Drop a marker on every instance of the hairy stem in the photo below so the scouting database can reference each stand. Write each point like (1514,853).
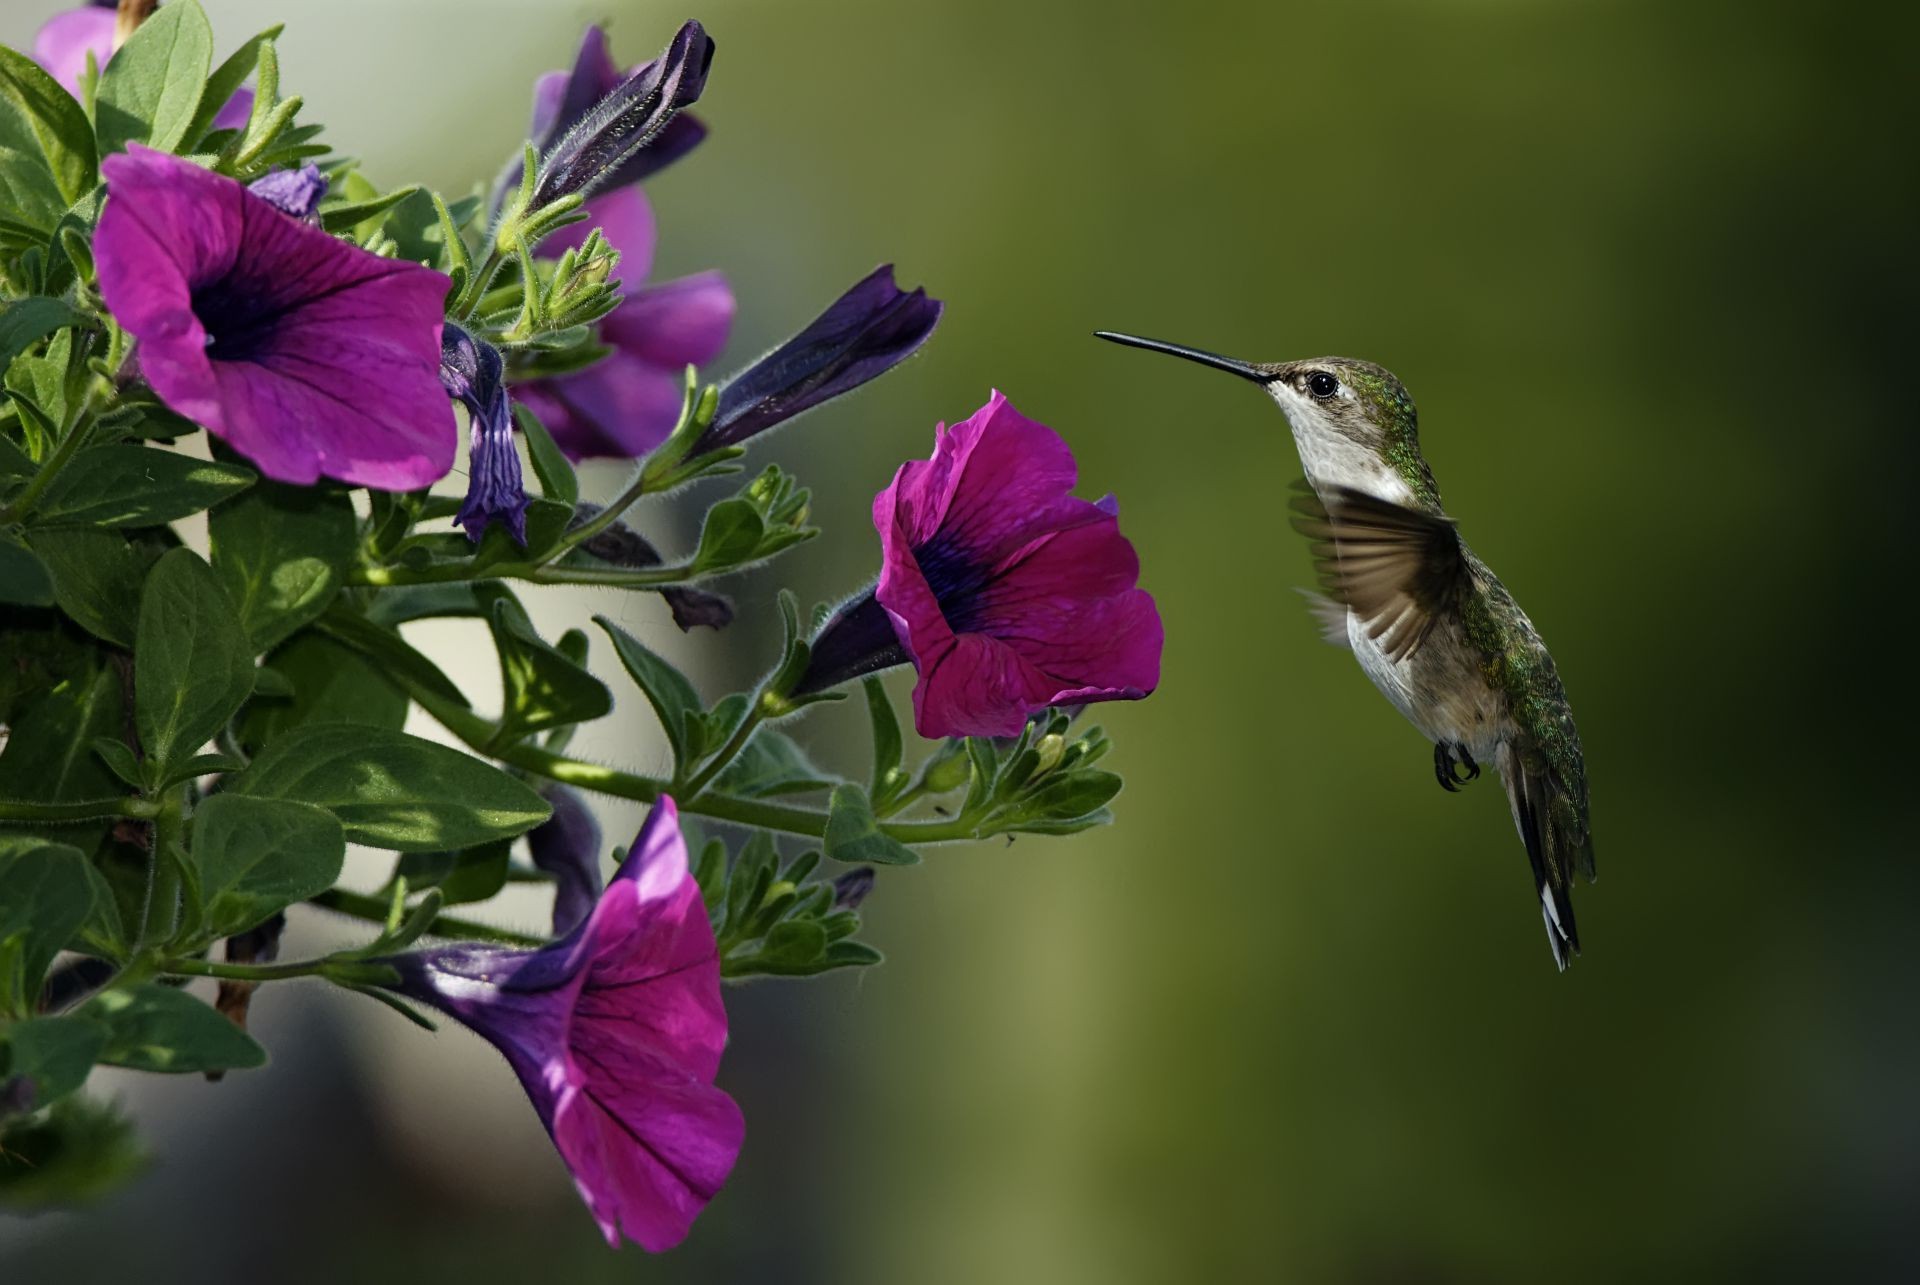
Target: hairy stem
(32,812)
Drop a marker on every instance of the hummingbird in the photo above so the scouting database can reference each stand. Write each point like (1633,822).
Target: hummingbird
(1428,621)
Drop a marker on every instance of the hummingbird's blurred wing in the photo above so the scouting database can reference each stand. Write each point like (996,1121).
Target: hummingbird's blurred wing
(1396,567)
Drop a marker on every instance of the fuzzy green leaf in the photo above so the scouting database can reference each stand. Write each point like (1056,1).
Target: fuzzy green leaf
(150,89)
(282,552)
(258,856)
(151,1027)
(193,665)
(45,896)
(135,486)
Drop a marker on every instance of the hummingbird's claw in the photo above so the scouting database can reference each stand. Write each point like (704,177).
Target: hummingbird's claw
(1453,766)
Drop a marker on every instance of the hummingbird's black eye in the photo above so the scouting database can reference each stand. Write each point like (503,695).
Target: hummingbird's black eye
(1322,385)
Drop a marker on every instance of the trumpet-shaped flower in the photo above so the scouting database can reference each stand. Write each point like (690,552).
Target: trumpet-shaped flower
(1006,593)
(309,355)
(615,1031)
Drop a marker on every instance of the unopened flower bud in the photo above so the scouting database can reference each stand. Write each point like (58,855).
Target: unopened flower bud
(1050,748)
(851,888)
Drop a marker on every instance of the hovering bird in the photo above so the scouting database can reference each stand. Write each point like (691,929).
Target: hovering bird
(1430,624)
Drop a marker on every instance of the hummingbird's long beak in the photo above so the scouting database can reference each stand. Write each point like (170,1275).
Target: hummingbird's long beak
(1244,369)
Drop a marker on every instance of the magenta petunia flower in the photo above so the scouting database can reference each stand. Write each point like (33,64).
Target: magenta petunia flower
(309,355)
(615,1032)
(65,40)
(1006,593)
(626,403)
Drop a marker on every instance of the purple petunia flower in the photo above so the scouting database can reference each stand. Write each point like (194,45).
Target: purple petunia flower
(1006,593)
(65,40)
(626,403)
(473,374)
(615,1032)
(309,355)
(866,332)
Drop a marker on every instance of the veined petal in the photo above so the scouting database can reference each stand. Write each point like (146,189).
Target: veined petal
(675,324)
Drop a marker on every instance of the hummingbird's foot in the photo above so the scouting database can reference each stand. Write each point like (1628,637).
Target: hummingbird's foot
(1448,762)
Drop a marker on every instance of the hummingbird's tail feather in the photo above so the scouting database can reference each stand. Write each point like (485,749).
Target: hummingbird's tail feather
(1539,811)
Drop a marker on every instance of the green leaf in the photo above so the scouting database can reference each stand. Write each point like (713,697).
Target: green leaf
(119,760)
(24,581)
(471,874)
(45,896)
(541,686)
(25,322)
(332,683)
(557,480)
(389,649)
(770,764)
(666,688)
(49,749)
(391,790)
(151,88)
(77,1152)
(50,117)
(339,217)
(730,536)
(853,836)
(887,747)
(151,1027)
(193,665)
(226,78)
(55,1053)
(117,486)
(282,552)
(258,856)
(97,575)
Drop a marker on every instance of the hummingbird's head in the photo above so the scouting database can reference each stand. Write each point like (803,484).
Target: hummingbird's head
(1348,416)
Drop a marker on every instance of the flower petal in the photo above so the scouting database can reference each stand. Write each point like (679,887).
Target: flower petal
(621,406)
(676,324)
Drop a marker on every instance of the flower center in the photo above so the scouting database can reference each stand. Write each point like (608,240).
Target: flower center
(238,317)
(956,579)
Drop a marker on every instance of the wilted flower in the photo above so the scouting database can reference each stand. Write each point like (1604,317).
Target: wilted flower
(473,374)
(1007,594)
(567,846)
(310,356)
(615,1032)
(604,139)
(866,332)
(623,546)
(626,403)
(65,40)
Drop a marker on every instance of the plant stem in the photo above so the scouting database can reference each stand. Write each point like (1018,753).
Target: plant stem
(756,714)
(477,733)
(62,455)
(163,874)
(358,905)
(531,572)
(86,810)
(244,972)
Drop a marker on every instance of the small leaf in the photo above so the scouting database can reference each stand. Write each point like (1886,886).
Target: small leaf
(45,896)
(730,536)
(119,759)
(25,322)
(226,78)
(24,581)
(151,1027)
(98,575)
(557,480)
(258,856)
(887,746)
(282,552)
(151,87)
(666,688)
(853,836)
(391,790)
(338,218)
(55,1053)
(472,874)
(542,686)
(120,486)
(388,649)
(770,764)
(193,665)
(53,120)
(331,683)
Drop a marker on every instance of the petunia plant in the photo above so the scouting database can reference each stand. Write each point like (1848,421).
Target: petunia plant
(236,378)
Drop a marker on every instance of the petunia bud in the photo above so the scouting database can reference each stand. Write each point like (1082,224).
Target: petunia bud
(866,332)
(627,120)
(621,545)
(851,888)
(293,192)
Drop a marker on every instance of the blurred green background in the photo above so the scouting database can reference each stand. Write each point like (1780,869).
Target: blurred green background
(1649,270)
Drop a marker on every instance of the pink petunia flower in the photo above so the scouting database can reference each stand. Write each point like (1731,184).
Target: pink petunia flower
(1007,594)
(615,1031)
(309,355)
